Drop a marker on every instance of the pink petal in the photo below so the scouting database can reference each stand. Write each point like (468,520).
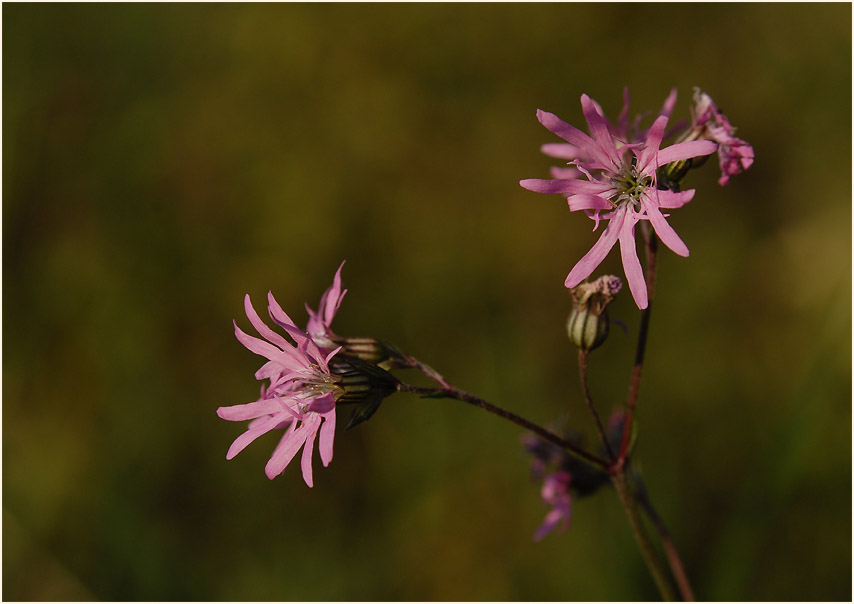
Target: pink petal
(242,441)
(552,520)
(333,295)
(330,355)
(564,173)
(327,435)
(265,349)
(560,150)
(599,128)
(653,142)
(260,420)
(313,351)
(685,150)
(586,145)
(285,451)
(308,450)
(585,201)
(631,263)
(322,404)
(664,231)
(566,131)
(597,253)
(239,413)
(564,187)
(669,103)
(539,185)
(290,407)
(276,312)
(672,199)
(261,327)
(268,371)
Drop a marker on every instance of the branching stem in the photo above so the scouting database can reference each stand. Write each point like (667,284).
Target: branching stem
(460,395)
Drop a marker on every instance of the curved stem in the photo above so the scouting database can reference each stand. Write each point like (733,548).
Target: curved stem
(582,369)
(460,395)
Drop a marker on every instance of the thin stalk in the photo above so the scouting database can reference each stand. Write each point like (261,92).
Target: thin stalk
(653,562)
(673,558)
(637,369)
(460,395)
(582,370)
(619,468)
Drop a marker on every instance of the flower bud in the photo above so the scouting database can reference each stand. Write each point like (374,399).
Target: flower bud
(588,323)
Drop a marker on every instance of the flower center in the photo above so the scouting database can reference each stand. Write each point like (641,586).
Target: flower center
(630,185)
(316,382)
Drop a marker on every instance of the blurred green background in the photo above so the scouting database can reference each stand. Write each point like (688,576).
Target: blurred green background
(160,161)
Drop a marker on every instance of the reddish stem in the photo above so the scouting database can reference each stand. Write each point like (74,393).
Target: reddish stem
(460,395)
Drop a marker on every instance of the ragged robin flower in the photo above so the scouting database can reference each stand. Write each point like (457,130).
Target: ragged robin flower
(299,398)
(620,187)
(734,154)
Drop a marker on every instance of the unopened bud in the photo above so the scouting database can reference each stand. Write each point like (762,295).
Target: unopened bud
(588,323)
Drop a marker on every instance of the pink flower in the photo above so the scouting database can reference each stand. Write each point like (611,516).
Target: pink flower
(621,182)
(734,154)
(555,492)
(622,130)
(299,399)
(319,322)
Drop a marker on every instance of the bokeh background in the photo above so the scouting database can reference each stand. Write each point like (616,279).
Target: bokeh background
(160,161)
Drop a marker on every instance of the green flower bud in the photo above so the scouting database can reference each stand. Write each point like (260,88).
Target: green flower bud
(588,323)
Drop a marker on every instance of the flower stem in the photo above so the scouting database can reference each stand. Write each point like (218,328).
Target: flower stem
(460,395)
(582,369)
(637,369)
(676,566)
(653,562)
(619,468)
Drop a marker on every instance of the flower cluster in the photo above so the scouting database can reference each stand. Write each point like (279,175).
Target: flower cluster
(302,390)
(614,176)
(555,492)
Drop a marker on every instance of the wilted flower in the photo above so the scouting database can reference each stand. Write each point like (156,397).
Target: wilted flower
(621,182)
(560,472)
(300,397)
(555,492)
(734,154)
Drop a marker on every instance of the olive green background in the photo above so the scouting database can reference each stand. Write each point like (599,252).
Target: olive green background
(160,161)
